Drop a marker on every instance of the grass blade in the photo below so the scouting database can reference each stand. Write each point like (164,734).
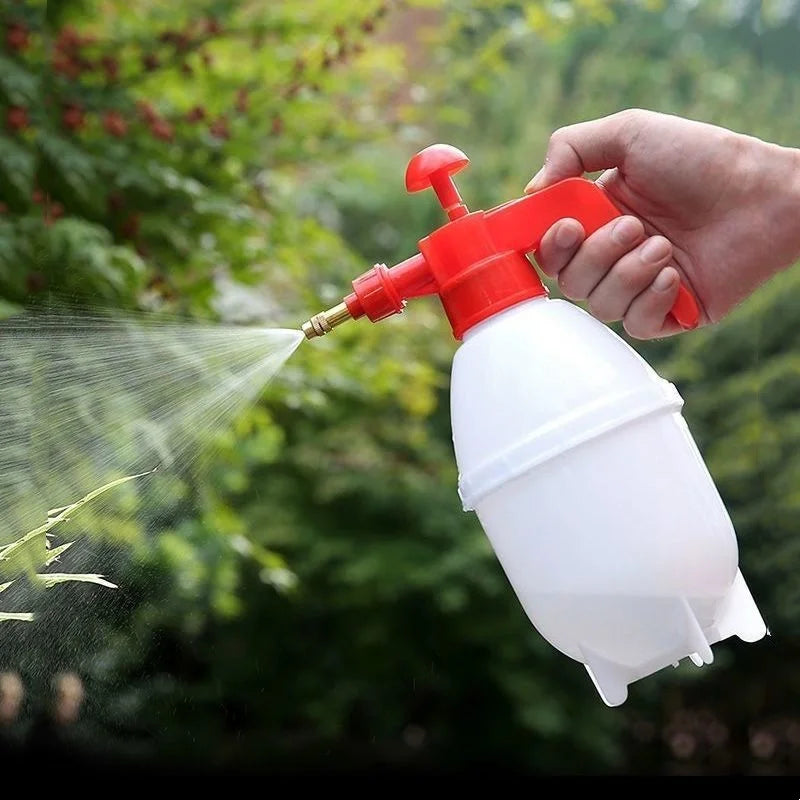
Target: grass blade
(52,578)
(9,616)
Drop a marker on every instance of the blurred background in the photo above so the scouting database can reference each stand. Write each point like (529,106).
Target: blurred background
(319,600)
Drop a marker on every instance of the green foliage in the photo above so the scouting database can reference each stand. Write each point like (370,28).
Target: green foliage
(31,552)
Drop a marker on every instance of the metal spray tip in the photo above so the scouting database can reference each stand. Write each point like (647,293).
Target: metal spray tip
(326,321)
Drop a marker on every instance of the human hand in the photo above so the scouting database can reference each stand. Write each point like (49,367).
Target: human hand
(716,209)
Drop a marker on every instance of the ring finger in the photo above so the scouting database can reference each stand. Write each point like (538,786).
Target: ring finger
(597,255)
(630,276)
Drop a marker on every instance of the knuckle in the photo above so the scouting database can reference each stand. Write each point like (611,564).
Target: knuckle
(560,139)
(630,124)
(630,117)
(559,134)
(602,310)
(630,279)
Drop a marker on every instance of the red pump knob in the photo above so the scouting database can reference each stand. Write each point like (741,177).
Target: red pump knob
(433,167)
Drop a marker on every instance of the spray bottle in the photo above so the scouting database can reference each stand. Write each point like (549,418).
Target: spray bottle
(571,449)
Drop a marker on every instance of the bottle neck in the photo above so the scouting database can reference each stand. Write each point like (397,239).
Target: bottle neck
(475,329)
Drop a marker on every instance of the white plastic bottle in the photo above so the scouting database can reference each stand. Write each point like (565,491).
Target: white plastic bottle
(575,456)
(570,448)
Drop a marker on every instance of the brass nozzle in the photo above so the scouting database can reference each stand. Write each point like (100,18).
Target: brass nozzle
(326,321)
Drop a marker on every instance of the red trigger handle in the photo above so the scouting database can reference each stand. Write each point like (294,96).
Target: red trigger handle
(587,202)
(684,310)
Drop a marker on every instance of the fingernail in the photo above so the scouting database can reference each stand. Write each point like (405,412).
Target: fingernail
(655,249)
(567,236)
(626,231)
(664,280)
(536,181)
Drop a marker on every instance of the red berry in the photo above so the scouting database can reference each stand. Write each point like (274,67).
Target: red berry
(67,65)
(368,25)
(67,39)
(3,208)
(339,32)
(73,117)
(53,212)
(150,62)
(110,67)
(115,201)
(196,114)
(17,118)
(161,129)
(219,128)
(38,196)
(17,37)
(115,124)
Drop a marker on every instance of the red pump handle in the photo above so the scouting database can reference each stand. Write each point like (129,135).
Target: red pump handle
(520,224)
(434,166)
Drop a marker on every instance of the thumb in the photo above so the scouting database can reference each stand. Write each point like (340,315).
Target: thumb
(586,147)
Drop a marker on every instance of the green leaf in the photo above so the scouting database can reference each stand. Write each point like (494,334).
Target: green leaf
(18,85)
(56,552)
(29,553)
(25,555)
(56,515)
(72,169)
(8,616)
(53,578)
(17,169)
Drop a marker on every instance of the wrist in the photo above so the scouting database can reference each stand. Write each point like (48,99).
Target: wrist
(792,156)
(776,201)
